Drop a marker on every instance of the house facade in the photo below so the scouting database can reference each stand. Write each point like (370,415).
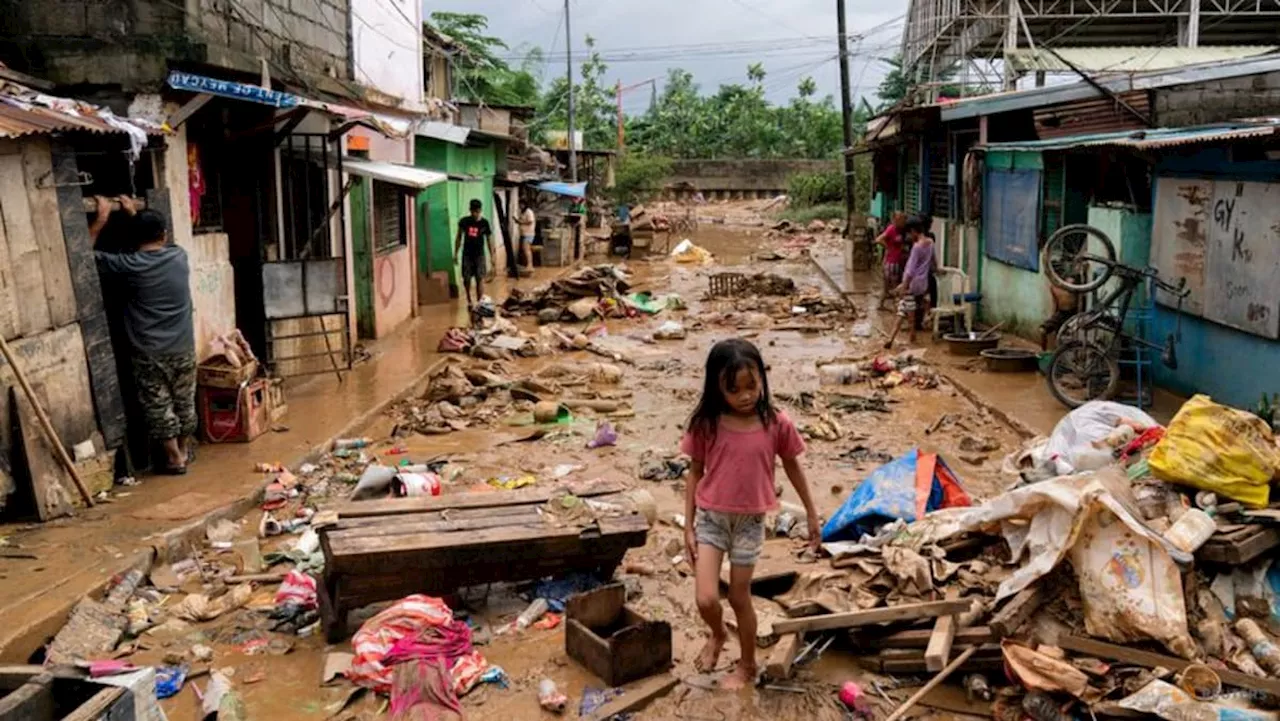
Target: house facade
(1153,160)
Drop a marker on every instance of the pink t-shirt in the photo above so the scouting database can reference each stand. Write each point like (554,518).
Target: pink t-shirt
(738,465)
(894,252)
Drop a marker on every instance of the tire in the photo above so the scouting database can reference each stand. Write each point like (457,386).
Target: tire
(1076,362)
(1058,244)
(1085,327)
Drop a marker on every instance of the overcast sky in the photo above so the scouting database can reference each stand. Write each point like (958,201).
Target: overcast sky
(713,39)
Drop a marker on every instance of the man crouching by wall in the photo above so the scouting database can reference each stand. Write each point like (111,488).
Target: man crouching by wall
(155,276)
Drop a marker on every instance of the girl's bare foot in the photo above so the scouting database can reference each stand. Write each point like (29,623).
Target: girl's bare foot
(742,677)
(709,656)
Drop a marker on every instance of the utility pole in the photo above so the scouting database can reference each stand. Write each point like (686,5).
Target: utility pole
(617,94)
(847,112)
(568,60)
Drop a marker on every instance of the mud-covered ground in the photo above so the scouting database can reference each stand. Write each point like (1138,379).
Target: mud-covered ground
(661,386)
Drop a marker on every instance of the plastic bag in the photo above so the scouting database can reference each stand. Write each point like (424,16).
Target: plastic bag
(686,252)
(1220,449)
(1131,588)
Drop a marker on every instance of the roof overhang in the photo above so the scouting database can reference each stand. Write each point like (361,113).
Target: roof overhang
(406,176)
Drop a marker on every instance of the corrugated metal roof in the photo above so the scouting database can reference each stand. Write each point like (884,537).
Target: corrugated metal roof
(1152,139)
(34,114)
(1128,59)
(395,173)
(1052,95)
(1095,115)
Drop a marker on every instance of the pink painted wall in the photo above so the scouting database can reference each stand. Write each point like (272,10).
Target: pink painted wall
(393,292)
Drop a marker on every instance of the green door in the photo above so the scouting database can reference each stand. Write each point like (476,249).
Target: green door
(362,256)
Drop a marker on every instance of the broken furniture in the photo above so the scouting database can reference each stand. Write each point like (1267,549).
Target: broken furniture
(611,640)
(1237,544)
(385,549)
(32,693)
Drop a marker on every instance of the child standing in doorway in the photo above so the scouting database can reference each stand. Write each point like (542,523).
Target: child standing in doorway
(913,292)
(735,436)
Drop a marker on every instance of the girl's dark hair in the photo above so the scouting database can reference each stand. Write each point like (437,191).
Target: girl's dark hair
(725,360)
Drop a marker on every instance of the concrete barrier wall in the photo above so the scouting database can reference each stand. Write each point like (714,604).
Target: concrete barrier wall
(745,178)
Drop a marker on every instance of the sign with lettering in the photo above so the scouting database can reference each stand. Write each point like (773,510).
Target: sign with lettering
(1224,236)
(231,89)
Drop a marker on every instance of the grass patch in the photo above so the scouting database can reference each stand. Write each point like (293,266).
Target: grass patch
(822,211)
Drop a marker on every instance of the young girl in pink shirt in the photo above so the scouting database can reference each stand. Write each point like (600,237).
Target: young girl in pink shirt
(734,437)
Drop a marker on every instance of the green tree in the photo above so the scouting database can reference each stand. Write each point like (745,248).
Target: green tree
(595,114)
(480,74)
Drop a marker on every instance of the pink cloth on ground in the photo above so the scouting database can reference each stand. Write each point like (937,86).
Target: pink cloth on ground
(738,466)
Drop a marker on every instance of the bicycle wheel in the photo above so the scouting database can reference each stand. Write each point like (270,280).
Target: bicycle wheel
(1082,372)
(1078,258)
(1092,326)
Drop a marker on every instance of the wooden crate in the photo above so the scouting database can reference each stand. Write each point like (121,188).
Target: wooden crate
(31,693)
(387,549)
(1239,545)
(557,247)
(611,640)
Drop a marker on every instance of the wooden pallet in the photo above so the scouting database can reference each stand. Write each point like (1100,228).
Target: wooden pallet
(1239,545)
(461,540)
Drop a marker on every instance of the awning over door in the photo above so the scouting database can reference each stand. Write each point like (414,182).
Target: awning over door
(403,175)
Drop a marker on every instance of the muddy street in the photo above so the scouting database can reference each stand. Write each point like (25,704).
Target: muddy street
(850,430)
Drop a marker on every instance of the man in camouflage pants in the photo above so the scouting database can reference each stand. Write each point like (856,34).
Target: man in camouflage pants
(155,277)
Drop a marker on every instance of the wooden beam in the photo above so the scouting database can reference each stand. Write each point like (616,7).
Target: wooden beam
(939,648)
(783,655)
(919,638)
(1013,614)
(484,499)
(636,697)
(1148,659)
(905,612)
(191,107)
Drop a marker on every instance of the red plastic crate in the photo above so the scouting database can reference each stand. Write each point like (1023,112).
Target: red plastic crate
(233,415)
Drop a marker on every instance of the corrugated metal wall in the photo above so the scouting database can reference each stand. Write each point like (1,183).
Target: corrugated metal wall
(1096,115)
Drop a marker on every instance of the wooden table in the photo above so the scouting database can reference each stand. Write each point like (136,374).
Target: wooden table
(388,549)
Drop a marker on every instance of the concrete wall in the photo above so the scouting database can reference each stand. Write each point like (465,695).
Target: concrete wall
(386,38)
(1218,100)
(1016,297)
(128,44)
(738,178)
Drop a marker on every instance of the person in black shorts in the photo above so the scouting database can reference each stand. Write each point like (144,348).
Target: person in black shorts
(474,235)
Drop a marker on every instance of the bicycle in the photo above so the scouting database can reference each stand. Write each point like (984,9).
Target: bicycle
(1084,367)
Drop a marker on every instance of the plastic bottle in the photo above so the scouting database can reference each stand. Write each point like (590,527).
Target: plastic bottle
(530,615)
(1191,530)
(1264,649)
(550,698)
(341,444)
(976,686)
(123,591)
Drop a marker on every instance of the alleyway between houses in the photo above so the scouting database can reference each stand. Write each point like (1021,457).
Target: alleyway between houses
(78,556)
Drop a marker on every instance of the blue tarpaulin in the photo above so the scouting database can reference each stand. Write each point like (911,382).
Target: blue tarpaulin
(573,190)
(906,488)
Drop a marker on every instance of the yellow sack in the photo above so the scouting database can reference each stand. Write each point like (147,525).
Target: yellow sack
(1220,449)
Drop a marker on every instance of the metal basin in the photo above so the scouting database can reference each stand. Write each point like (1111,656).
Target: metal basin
(1011,360)
(962,344)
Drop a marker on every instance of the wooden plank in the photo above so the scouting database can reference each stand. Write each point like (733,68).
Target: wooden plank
(938,650)
(407,525)
(51,486)
(10,324)
(919,638)
(483,499)
(904,612)
(191,107)
(1240,548)
(783,655)
(635,697)
(104,381)
(32,701)
(362,545)
(96,707)
(12,676)
(24,252)
(1148,659)
(1013,614)
(933,682)
(37,167)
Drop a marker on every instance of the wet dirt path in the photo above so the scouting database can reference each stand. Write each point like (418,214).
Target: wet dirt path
(664,383)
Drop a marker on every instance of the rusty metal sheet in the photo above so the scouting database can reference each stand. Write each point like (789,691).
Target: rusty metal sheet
(1096,115)
(1222,236)
(1179,234)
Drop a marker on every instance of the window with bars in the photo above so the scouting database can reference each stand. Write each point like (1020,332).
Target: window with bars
(388,217)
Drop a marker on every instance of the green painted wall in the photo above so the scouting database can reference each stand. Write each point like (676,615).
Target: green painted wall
(362,252)
(1013,296)
(447,202)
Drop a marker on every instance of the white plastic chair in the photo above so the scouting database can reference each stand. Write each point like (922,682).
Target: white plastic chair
(952,282)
